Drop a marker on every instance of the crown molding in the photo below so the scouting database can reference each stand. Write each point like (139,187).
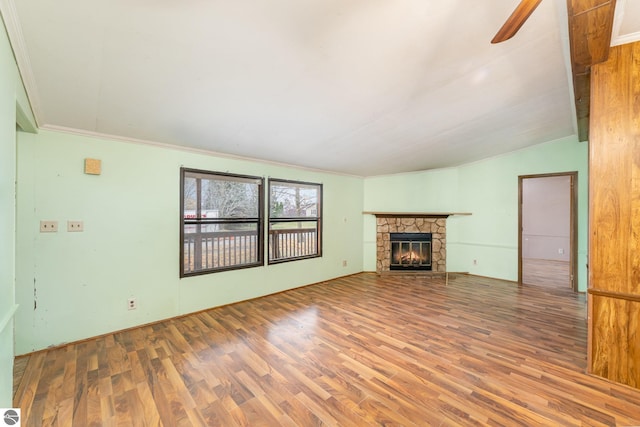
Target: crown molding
(618,17)
(19,47)
(627,38)
(205,152)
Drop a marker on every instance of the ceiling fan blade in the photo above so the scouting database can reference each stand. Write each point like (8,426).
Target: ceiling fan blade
(515,21)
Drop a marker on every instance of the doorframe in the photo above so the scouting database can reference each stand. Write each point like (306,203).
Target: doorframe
(573,224)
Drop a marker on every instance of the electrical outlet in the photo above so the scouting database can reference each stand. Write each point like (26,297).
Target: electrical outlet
(344,263)
(475,262)
(48,226)
(73,226)
(132,304)
(561,251)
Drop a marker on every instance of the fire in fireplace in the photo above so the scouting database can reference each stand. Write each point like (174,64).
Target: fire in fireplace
(410,251)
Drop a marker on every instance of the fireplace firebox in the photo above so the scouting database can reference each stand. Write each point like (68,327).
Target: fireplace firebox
(410,251)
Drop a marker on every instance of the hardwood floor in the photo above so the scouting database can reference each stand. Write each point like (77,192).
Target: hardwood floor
(360,350)
(545,272)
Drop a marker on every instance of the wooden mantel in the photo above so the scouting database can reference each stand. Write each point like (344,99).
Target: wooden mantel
(414,214)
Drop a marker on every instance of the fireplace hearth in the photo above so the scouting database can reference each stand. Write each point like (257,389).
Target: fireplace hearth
(410,251)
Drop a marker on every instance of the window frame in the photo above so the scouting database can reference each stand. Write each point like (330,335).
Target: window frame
(317,219)
(199,221)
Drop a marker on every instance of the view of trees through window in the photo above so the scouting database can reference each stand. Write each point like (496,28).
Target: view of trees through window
(224,198)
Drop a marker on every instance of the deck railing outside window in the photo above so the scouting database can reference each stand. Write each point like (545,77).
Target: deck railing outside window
(292,243)
(221,249)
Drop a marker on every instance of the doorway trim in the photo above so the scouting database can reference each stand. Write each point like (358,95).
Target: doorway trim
(573,224)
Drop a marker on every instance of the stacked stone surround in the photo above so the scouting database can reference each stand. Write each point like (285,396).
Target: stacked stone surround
(436,226)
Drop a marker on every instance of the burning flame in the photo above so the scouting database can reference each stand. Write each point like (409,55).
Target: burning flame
(409,257)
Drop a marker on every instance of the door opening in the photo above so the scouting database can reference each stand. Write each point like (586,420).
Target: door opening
(547,237)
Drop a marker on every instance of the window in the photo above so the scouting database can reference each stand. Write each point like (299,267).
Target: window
(221,222)
(295,220)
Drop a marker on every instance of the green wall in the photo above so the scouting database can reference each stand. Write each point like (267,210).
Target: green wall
(7,217)
(75,285)
(489,190)
(14,107)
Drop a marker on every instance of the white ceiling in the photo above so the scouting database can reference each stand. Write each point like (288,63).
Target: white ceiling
(363,87)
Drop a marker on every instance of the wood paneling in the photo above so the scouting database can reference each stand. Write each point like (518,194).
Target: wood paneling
(356,351)
(614,246)
(590,24)
(615,345)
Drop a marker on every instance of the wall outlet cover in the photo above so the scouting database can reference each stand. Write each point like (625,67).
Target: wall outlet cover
(48,226)
(75,226)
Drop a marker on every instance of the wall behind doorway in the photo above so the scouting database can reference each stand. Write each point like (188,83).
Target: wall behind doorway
(546,214)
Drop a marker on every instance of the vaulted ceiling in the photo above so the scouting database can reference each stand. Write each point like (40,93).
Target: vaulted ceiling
(363,87)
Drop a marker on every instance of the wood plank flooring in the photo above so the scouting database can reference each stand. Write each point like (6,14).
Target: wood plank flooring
(363,350)
(544,272)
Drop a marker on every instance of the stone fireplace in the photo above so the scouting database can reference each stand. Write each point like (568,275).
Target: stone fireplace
(436,226)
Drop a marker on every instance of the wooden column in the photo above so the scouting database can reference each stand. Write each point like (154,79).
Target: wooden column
(614,217)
